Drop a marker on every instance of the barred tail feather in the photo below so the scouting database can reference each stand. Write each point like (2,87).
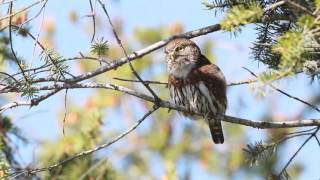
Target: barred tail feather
(216,131)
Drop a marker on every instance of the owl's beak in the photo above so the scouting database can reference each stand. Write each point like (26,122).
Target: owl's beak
(172,56)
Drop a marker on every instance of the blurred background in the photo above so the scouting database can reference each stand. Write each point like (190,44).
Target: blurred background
(166,145)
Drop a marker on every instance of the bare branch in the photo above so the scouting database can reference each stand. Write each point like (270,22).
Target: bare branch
(136,74)
(137,81)
(24,9)
(317,139)
(11,44)
(65,111)
(242,82)
(38,13)
(140,53)
(299,7)
(90,151)
(113,64)
(166,104)
(93,14)
(13,105)
(32,102)
(165,83)
(296,153)
(286,94)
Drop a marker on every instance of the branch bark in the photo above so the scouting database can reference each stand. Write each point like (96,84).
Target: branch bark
(166,104)
(140,53)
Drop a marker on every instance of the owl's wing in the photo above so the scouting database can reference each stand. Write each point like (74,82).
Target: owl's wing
(215,85)
(215,81)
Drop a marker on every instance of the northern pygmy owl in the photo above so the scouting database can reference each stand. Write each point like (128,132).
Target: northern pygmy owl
(197,84)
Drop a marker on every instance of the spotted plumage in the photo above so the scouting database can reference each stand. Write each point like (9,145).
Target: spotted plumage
(196,84)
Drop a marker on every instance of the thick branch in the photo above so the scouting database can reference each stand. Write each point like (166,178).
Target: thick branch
(138,54)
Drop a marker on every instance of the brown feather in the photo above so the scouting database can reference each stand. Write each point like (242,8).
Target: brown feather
(203,89)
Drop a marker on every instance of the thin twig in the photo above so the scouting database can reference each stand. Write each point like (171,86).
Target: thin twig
(35,16)
(6,2)
(286,94)
(65,111)
(24,9)
(90,151)
(126,54)
(137,81)
(299,7)
(11,44)
(304,131)
(295,154)
(9,76)
(87,172)
(40,28)
(165,83)
(93,14)
(242,82)
(317,139)
(53,62)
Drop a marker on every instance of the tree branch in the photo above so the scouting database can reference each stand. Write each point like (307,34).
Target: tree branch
(163,104)
(140,53)
(136,74)
(285,93)
(90,151)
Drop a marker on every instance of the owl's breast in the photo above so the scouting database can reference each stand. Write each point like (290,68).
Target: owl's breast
(190,97)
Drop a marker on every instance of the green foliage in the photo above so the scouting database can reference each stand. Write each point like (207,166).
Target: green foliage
(100,48)
(317,3)
(8,158)
(83,131)
(148,35)
(4,166)
(206,50)
(5,53)
(27,89)
(166,138)
(241,15)
(57,67)
(224,5)
(291,47)
(258,152)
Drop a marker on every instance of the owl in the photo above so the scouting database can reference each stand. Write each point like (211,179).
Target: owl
(196,84)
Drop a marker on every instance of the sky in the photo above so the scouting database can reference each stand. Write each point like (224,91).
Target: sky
(232,54)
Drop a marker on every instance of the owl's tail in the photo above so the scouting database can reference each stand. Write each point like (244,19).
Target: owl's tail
(216,130)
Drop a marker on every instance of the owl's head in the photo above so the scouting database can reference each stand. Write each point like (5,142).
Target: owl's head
(182,55)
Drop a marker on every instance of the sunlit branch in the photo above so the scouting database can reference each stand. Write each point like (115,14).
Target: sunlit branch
(165,104)
(90,151)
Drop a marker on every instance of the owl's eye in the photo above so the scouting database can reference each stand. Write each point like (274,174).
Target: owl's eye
(180,48)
